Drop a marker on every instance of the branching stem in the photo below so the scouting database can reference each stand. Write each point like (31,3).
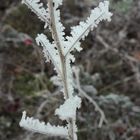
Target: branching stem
(63,63)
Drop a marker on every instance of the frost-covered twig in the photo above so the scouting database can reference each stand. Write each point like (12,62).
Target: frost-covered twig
(59,53)
(37,7)
(82,30)
(50,51)
(40,127)
(83,93)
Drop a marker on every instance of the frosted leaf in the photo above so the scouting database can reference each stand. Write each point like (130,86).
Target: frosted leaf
(81,31)
(68,109)
(57,3)
(37,7)
(50,51)
(40,127)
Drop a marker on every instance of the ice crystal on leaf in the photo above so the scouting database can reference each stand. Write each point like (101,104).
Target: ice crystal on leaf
(35,125)
(68,109)
(58,52)
(57,3)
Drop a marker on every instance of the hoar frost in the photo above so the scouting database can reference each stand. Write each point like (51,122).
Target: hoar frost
(59,53)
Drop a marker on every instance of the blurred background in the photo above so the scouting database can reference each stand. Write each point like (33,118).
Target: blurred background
(109,72)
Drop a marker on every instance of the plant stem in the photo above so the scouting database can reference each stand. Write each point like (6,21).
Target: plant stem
(71,122)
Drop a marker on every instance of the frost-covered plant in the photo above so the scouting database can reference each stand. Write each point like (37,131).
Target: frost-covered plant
(59,53)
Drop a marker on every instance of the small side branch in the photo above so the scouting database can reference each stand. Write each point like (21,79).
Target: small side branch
(83,93)
(50,51)
(82,30)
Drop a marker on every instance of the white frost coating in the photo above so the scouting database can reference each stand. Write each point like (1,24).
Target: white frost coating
(57,3)
(74,130)
(40,127)
(81,31)
(50,51)
(68,109)
(37,7)
(59,26)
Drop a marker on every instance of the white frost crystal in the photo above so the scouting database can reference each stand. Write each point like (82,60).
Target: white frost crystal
(37,7)
(57,3)
(68,109)
(50,51)
(40,127)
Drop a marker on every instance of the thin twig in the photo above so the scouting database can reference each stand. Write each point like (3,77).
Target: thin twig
(83,93)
